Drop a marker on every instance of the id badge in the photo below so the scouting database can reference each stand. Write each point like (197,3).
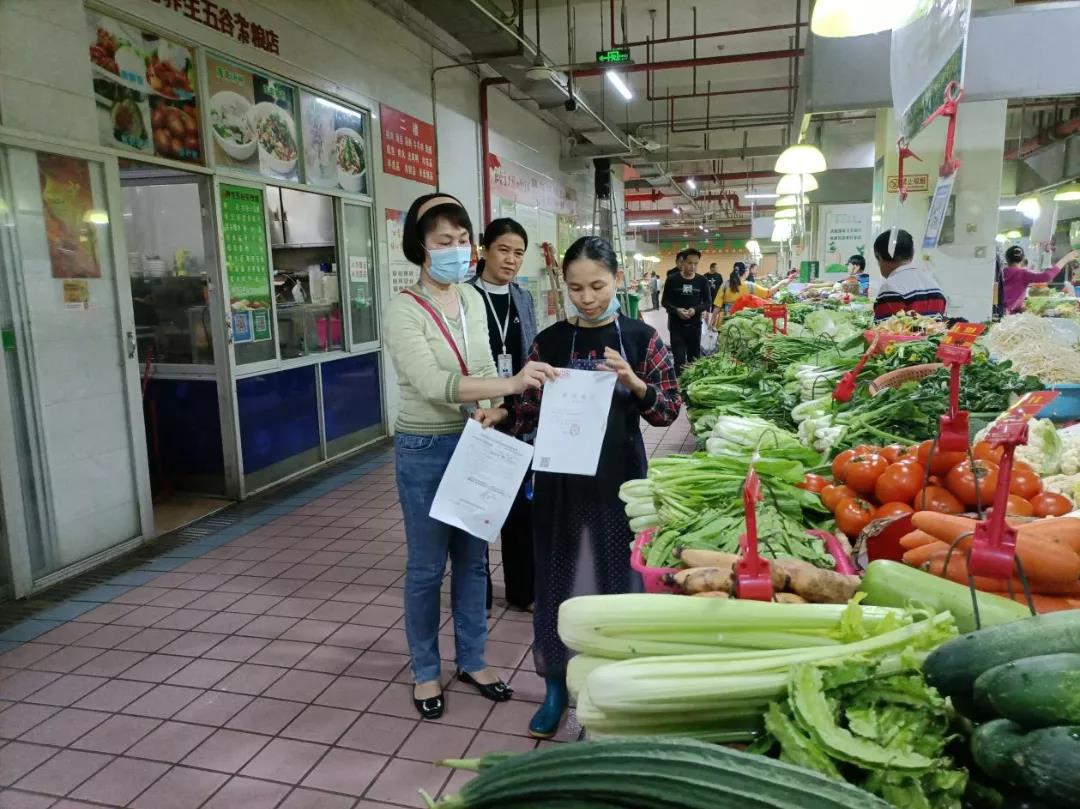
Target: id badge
(505,365)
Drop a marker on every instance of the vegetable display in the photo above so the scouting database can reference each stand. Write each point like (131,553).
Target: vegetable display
(1037,346)
(649,773)
(1021,681)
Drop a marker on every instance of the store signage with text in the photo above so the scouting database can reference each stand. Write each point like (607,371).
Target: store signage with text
(914,182)
(408,146)
(243,226)
(225,21)
(510,180)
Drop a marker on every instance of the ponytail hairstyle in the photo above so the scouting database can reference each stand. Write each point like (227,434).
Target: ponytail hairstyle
(735,279)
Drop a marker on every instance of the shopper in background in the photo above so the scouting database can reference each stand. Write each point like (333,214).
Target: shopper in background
(738,287)
(750,277)
(582,539)
(906,288)
(511,323)
(654,288)
(438,342)
(1016,277)
(856,267)
(715,281)
(686,298)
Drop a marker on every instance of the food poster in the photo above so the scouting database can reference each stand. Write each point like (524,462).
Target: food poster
(335,152)
(252,121)
(144,86)
(247,264)
(68,207)
(403,273)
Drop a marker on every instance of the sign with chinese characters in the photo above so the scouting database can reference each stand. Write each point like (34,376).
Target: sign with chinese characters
(914,182)
(247,266)
(408,146)
(335,149)
(403,273)
(846,235)
(939,206)
(76,294)
(613,56)
(226,21)
(144,89)
(511,180)
(252,120)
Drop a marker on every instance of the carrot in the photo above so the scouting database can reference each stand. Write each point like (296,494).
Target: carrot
(1063,531)
(916,539)
(916,556)
(958,572)
(1045,604)
(1045,563)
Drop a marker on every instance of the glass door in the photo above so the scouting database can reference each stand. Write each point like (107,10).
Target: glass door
(74,385)
(359,271)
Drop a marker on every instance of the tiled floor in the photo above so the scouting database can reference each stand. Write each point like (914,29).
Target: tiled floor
(262,666)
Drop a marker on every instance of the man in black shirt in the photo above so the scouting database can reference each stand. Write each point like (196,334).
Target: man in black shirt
(686,298)
(715,281)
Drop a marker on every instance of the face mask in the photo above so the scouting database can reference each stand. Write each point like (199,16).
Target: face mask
(612,308)
(450,265)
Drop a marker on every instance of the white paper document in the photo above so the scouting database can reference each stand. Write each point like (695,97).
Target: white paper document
(481,481)
(573,420)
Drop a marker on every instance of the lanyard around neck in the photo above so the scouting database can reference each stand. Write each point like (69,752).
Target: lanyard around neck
(504,327)
(618,330)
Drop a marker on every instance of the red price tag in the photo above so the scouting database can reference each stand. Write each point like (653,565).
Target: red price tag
(776,311)
(964,334)
(1030,405)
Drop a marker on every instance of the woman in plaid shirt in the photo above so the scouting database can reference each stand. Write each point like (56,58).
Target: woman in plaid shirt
(581,537)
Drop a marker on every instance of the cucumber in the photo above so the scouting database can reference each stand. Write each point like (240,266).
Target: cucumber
(954,666)
(1035,692)
(892,584)
(994,745)
(652,773)
(1049,763)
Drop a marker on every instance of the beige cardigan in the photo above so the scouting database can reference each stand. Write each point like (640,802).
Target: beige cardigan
(428,372)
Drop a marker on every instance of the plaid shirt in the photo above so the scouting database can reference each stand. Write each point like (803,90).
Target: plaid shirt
(660,405)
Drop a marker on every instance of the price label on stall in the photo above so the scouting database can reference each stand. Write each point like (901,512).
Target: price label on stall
(1029,405)
(964,334)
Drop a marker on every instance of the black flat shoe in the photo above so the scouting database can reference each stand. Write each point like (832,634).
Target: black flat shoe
(430,708)
(496,692)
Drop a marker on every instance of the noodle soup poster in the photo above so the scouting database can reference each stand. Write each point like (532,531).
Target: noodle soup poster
(253,121)
(68,208)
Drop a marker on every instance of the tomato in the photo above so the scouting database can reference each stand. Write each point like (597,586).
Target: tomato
(831,495)
(893,452)
(937,498)
(909,453)
(1019,506)
(813,483)
(900,482)
(1024,483)
(939,462)
(1050,504)
(984,452)
(839,461)
(973,483)
(853,514)
(892,510)
(862,472)
(1025,466)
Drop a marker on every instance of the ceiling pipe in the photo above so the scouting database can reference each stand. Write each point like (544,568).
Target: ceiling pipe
(746,91)
(695,36)
(708,61)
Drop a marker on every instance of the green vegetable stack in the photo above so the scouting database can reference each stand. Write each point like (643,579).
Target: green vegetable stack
(1022,679)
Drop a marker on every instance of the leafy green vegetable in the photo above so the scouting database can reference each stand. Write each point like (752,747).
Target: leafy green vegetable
(875,724)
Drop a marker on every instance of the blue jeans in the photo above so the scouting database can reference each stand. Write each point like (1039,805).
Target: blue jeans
(421,461)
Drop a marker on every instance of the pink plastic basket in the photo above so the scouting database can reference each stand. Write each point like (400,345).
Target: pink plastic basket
(654,576)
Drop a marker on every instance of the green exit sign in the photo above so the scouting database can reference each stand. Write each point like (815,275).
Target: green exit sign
(613,56)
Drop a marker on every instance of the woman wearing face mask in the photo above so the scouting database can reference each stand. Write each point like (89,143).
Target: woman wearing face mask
(581,536)
(438,342)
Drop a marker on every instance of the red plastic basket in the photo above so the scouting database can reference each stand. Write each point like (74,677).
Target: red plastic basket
(654,576)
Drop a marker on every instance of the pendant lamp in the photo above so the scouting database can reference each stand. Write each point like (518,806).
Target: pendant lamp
(1068,193)
(796,184)
(786,213)
(1030,207)
(791,201)
(852,18)
(802,158)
